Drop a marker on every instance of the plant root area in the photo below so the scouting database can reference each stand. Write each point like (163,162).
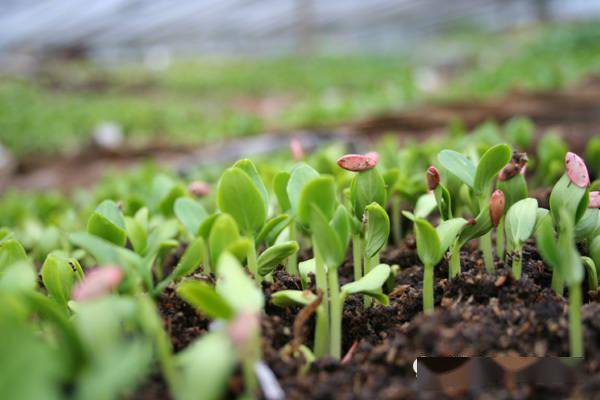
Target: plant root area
(476,314)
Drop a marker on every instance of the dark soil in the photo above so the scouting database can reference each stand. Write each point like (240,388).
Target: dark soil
(476,314)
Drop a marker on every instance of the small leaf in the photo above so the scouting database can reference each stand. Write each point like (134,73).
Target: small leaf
(287,298)
(481,226)
(11,252)
(300,176)
(107,222)
(367,187)
(568,197)
(239,196)
(521,219)
(249,168)
(137,235)
(458,165)
(206,225)
(280,185)
(425,205)
(326,239)
(193,256)
(429,247)
(589,225)
(490,164)
(377,229)
(319,193)
(205,299)
(273,228)
(449,230)
(274,256)
(514,189)
(223,233)
(309,267)
(236,287)
(371,282)
(59,275)
(190,213)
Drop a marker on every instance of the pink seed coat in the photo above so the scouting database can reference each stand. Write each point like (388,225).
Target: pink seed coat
(356,162)
(373,155)
(98,282)
(497,204)
(594,199)
(576,170)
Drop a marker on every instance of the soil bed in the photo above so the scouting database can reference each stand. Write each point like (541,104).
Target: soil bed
(476,314)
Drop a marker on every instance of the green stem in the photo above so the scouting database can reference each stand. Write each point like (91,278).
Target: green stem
(557,282)
(292,264)
(252,264)
(454,265)
(485,244)
(367,301)
(396,220)
(322,329)
(516,263)
(575,327)
(428,288)
(500,240)
(250,381)
(357,256)
(335,340)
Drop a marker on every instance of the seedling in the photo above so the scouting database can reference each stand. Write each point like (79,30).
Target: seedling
(560,252)
(367,187)
(511,181)
(487,218)
(520,224)
(238,302)
(432,244)
(480,180)
(569,197)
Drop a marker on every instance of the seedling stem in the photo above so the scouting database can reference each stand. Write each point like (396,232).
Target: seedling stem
(575,329)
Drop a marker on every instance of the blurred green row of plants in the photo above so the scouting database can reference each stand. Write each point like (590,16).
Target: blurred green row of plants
(197,101)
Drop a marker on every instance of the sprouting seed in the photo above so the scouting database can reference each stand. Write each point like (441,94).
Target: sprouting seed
(357,162)
(576,170)
(98,282)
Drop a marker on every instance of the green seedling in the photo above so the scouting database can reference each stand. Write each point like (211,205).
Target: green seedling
(487,218)
(520,224)
(480,180)
(432,244)
(242,195)
(236,300)
(367,187)
(570,197)
(559,251)
(511,181)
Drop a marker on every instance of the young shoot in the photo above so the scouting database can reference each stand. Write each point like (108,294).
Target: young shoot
(238,303)
(432,244)
(511,181)
(367,187)
(520,224)
(559,251)
(479,179)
